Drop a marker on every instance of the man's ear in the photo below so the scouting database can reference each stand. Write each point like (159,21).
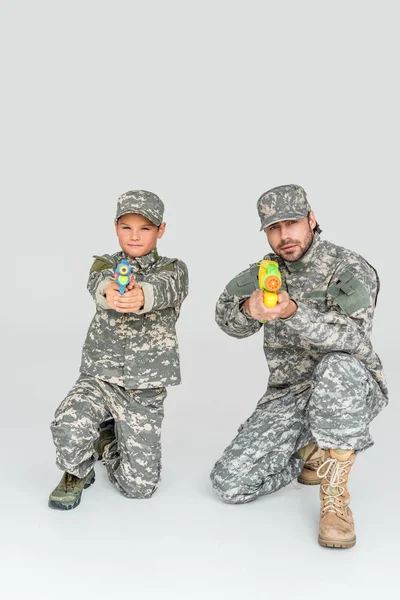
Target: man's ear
(161,230)
(311,219)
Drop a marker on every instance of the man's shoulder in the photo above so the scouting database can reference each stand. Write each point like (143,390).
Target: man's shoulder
(344,256)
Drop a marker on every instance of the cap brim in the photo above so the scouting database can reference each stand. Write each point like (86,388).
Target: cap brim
(292,217)
(138,211)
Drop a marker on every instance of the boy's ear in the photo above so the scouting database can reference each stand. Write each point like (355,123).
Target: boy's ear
(116,224)
(161,230)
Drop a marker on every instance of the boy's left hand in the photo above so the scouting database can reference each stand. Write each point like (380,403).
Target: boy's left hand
(132,300)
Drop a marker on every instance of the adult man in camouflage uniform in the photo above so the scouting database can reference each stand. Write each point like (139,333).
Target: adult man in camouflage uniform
(326,382)
(129,357)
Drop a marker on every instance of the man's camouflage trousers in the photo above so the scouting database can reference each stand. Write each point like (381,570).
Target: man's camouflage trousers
(333,412)
(133,460)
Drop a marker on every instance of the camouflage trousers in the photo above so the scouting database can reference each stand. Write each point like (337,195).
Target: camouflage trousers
(133,460)
(334,412)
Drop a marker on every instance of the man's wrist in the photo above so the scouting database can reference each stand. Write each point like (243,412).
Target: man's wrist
(291,309)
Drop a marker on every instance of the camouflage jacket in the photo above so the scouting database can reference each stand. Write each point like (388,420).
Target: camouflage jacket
(335,290)
(136,350)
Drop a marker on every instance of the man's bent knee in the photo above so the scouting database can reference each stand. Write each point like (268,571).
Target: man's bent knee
(229,491)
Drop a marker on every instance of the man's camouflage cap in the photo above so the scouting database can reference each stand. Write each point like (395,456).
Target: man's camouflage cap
(282,203)
(143,203)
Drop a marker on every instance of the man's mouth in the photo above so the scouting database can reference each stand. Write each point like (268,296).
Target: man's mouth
(291,247)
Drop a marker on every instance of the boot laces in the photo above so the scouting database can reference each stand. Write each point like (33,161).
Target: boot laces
(69,481)
(314,463)
(334,472)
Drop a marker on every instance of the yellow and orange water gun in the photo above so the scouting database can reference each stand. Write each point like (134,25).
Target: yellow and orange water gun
(270,280)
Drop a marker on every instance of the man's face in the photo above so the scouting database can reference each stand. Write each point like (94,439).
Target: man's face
(137,235)
(291,239)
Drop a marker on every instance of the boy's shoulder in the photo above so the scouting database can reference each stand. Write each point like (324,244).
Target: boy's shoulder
(105,261)
(166,263)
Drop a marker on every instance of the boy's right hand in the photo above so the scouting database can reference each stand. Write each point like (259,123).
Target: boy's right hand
(112,291)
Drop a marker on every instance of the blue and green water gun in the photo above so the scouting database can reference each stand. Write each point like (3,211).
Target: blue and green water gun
(123,275)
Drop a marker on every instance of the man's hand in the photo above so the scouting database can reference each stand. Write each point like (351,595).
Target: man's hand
(255,307)
(131,301)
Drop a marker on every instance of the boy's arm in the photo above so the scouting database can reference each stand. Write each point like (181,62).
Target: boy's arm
(165,288)
(100,276)
(229,313)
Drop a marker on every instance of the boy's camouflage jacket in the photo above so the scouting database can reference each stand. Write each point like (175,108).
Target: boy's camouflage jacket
(136,350)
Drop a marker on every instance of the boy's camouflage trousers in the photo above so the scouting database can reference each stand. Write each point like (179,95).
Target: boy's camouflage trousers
(334,412)
(133,460)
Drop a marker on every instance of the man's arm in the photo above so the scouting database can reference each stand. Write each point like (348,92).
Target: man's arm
(351,297)
(230,314)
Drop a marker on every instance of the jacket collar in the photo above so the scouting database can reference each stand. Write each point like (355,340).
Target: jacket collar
(141,263)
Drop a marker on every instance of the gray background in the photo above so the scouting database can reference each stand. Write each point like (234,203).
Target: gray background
(208,104)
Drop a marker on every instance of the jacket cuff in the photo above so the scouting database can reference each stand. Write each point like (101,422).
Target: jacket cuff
(100,293)
(148,293)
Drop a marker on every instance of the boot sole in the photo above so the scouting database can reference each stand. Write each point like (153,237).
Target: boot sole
(69,506)
(309,481)
(329,543)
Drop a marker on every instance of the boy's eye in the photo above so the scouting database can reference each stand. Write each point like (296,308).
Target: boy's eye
(125,227)
(145,228)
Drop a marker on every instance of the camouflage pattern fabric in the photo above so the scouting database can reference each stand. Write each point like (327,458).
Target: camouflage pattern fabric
(283,203)
(326,382)
(143,203)
(333,413)
(133,460)
(335,290)
(136,350)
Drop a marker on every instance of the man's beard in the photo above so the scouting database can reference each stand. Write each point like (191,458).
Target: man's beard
(297,252)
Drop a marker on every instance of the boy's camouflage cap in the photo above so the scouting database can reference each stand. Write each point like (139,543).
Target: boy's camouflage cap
(143,203)
(282,203)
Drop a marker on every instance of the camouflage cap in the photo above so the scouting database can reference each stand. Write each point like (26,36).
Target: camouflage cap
(282,203)
(143,203)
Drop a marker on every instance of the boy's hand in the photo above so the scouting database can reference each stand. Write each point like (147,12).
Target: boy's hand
(112,291)
(131,301)
(255,307)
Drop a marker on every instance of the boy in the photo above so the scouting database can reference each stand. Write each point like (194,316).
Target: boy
(129,357)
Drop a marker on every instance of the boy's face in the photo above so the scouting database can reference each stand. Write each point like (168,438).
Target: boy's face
(137,235)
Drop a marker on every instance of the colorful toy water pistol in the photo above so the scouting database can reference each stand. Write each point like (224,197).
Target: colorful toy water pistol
(123,275)
(270,280)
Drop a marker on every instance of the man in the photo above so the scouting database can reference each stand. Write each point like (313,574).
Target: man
(326,382)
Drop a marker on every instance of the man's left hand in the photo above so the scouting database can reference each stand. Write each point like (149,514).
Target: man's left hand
(255,307)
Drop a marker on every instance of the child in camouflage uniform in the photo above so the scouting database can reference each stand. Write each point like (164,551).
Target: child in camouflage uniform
(129,357)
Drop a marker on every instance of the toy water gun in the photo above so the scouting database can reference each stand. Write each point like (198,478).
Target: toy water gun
(123,275)
(270,280)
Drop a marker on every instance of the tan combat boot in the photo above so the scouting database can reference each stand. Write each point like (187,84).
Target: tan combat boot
(336,527)
(313,461)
